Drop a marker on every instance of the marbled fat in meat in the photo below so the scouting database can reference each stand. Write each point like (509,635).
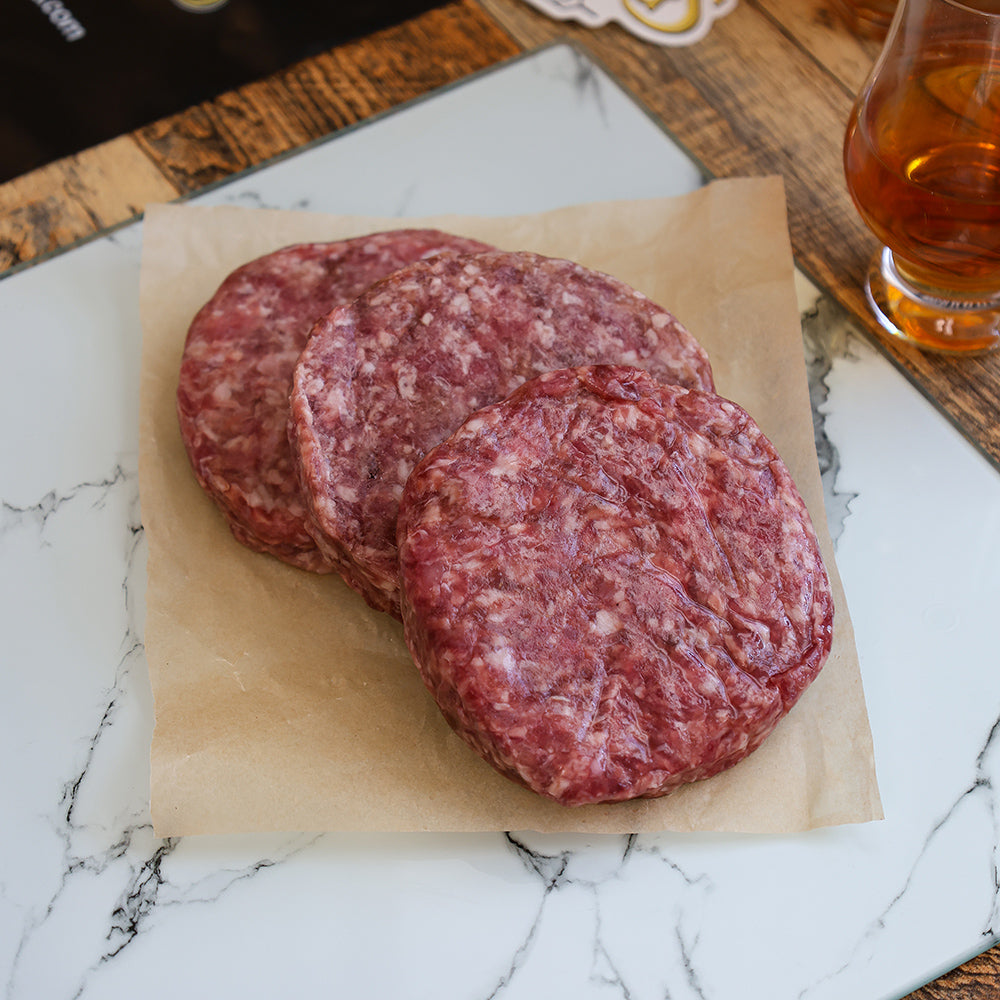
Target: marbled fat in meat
(387,377)
(236,372)
(610,586)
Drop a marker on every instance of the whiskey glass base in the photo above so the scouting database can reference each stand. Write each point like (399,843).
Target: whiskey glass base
(946,326)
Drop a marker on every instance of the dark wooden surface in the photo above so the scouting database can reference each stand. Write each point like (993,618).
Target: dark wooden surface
(56,205)
(767,91)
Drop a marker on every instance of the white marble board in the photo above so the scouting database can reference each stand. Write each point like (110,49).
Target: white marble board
(93,906)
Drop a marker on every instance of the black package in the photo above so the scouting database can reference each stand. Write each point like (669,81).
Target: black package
(78,72)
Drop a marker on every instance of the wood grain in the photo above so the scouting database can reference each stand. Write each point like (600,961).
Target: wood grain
(69,200)
(978,979)
(51,207)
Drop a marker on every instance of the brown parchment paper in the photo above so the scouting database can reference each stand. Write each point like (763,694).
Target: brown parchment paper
(283,703)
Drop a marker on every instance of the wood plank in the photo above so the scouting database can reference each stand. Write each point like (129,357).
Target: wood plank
(819,31)
(977,979)
(324,94)
(55,205)
(73,198)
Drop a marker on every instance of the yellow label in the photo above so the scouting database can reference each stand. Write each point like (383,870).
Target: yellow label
(200,6)
(662,15)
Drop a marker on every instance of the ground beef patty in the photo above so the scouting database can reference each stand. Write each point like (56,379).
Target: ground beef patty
(387,377)
(611,587)
(232,397)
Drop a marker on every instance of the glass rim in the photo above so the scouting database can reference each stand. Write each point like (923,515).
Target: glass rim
(971,7)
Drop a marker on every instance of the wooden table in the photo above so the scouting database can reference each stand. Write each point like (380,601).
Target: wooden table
(768,91)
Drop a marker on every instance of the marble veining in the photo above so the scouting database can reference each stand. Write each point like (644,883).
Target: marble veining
(585,879)
(91,841)
(92,905)
(586,83)
(925,855)
(827,335)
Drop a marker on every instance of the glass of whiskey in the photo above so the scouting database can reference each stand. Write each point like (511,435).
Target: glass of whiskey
(922,165)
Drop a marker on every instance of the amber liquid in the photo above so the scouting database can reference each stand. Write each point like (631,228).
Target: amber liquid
(922,163)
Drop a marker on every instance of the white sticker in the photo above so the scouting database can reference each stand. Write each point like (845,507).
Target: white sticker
(664,22)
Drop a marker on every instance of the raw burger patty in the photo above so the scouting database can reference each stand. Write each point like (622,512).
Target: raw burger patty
(387,377)
(232,398)
(611,587)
